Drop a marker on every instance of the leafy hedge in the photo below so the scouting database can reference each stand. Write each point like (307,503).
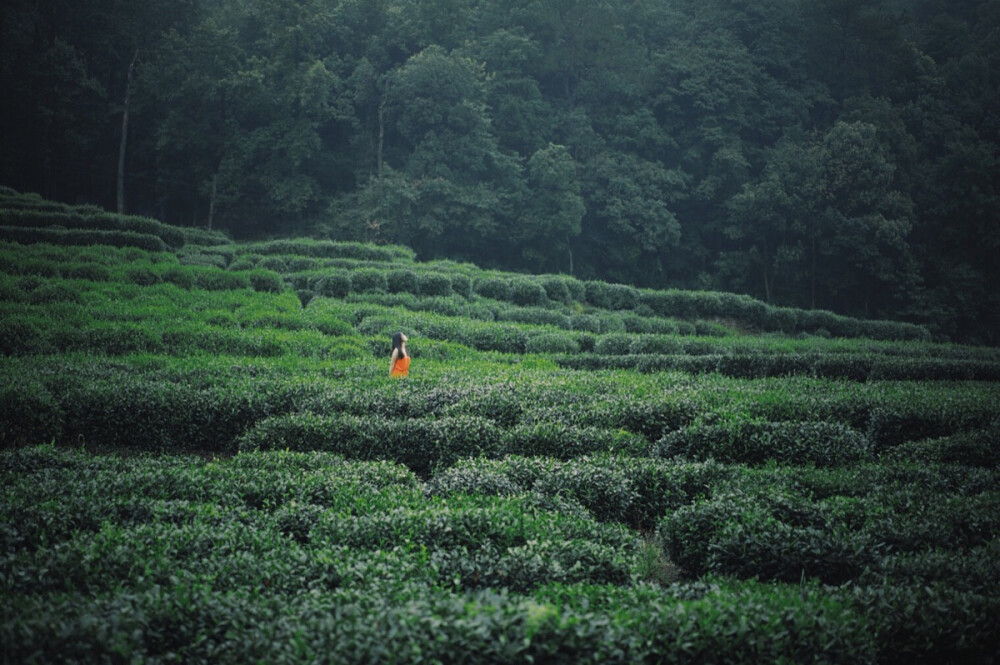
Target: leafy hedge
(330,250)
(635,491)
(632,352)
(23,235)
(700,304)
(91,221)
(747,442)
(420,444)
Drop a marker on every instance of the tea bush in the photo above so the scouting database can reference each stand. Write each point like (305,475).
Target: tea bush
(819,443)
(556,288)
(333,285)
(401,281)
(492,287)
(979,447)
(419,444)
(527,293)
(82,237)
(552,343)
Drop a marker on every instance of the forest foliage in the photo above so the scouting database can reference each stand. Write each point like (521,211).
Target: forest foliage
(837,154)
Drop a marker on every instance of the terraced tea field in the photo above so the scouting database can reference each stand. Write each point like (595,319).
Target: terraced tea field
(204,460)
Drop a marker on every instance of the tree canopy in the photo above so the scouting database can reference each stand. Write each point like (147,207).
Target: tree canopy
(836,154)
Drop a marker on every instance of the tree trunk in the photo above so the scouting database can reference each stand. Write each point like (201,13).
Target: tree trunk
(381,129)
(767,281)
(812,275)
(211,200)
(124,140)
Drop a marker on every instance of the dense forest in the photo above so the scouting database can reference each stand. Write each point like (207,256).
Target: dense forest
(833,154)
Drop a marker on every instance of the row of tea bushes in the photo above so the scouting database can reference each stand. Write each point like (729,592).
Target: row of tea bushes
(979,447)
(28,210)
(700,304)
(326,249)
(423,444)
(28,335)
(91,221)
(206,402)
(757,442)
(56,236)
(556,291)
(774,533)
(420,624)
(294,557)
(634,491)
(854,367)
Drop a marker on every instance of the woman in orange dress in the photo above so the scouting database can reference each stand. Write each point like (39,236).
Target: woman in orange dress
(400,364)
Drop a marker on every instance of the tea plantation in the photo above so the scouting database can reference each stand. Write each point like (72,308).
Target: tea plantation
(204,460)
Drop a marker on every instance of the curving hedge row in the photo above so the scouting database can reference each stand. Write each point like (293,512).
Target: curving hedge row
(621,353)
(702,304)
(328,249)
(748,442)
(758,529)
(424,444)
(23,235)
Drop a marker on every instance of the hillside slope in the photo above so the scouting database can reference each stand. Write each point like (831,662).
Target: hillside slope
(206,460)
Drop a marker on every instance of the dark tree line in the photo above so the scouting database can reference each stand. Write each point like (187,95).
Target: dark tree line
(839,154)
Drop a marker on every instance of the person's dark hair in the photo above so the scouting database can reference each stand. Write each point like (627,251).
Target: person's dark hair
(397,343)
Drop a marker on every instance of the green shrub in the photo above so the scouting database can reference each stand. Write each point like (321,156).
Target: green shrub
(179,276)
(419,444)
(927,623)
(331,250)
(89,271)
(685,328)
(21,337)
(656,344)
(434,284)
(783,319)
(492,287)
(333,285)
(586,322)
(195,236)
(526,292)
(401,281)
(29,414)
(556,288)
(975,448)
(142,276)
(610,323)
(534,315)
(265,281)
(635,323)
(615,344)
(53,292)
(245,262)
(461,285)
(369,280)
(203,260)
(819,443)
(552,343)
(597,294)
(621,296)
(305,297)
(738,534)
(212,279)
(275,263)
(710,329)
(563,441)
(497,337)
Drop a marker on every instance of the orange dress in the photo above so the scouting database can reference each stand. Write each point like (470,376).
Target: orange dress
(401,367)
